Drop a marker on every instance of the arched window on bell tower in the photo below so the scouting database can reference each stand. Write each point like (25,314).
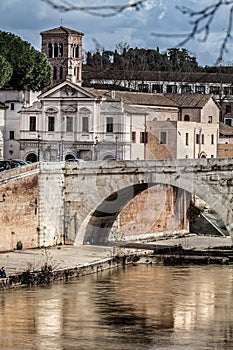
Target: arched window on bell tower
(61,72)
(50,50)
(60,51)
(54,73)
(77,52)
(55,50)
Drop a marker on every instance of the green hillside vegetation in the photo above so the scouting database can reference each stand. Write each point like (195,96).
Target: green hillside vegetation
(136,59)
(142,60)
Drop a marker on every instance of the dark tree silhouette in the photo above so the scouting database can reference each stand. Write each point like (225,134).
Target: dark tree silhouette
(21,66)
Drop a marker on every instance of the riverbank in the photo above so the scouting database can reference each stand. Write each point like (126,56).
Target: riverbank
(45,265)
(39,266)
(190,249)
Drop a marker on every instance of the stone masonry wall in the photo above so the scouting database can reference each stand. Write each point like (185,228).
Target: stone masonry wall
(159,209)
(19,212)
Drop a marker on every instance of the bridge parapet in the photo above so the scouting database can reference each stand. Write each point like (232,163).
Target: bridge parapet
(12,174)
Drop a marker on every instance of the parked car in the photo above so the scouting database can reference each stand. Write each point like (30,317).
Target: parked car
(75,160)
(17,163)
(5,165)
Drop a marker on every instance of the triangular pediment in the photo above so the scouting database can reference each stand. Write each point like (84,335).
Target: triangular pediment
(67,90)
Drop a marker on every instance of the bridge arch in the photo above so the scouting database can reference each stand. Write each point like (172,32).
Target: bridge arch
(93,193)
(96,227)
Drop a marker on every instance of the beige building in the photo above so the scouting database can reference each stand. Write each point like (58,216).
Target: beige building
(195,133)
(225,145)
(3,109)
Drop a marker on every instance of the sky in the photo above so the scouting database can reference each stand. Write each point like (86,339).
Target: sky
(27,18)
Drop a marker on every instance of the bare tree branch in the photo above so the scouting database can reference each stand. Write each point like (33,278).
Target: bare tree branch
(201,20)
(202,23)
(100,11)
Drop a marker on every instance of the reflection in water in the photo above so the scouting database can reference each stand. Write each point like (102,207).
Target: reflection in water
(130,308)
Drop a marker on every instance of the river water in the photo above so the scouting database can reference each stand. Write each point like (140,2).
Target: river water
(132,307)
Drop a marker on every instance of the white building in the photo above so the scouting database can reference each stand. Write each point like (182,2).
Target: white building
(13,101)
(69,121)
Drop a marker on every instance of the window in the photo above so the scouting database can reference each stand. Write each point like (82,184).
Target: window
(55,52)
(163,138)
(186,118)
(109,124)
(171,89)
(228,91)
(133,136)
(143,87)
(50,50)
(77,72)
(202,139)
(85,127)
(215,90)
(11,135)
(186,139)
(74,51)
(143,137)
(69,124)
(200,89)
(12,106)
(212,139)
(197,139)
(54,73)
(158,88)
(51,123)
(185,89)
(210,119)
(228,121)
(61,72)
(60,50)
(32,124)
(228,108)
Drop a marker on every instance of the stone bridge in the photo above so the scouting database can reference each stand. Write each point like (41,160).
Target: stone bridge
(78,202)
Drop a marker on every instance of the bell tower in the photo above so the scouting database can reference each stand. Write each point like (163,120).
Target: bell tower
(63,47)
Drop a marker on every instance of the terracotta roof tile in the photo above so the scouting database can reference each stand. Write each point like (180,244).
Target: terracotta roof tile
(189,100)
(136,98)
(225,130)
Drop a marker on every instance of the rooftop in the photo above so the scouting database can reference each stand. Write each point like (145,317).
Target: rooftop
(136,98)
(185,77)
(61,30)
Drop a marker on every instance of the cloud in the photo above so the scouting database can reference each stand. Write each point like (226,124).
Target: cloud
(27,18)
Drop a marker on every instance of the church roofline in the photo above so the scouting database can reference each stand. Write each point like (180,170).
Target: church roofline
(61,30)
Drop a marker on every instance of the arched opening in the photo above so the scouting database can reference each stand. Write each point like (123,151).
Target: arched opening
(202,155)
(109,157)
(55,50)
(69,156)
(186,118)
(31,157)
(61,73)
(50,50)
(54,73)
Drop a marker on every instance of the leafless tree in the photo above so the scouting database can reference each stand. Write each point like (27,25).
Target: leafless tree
(101,10)
(201,20)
